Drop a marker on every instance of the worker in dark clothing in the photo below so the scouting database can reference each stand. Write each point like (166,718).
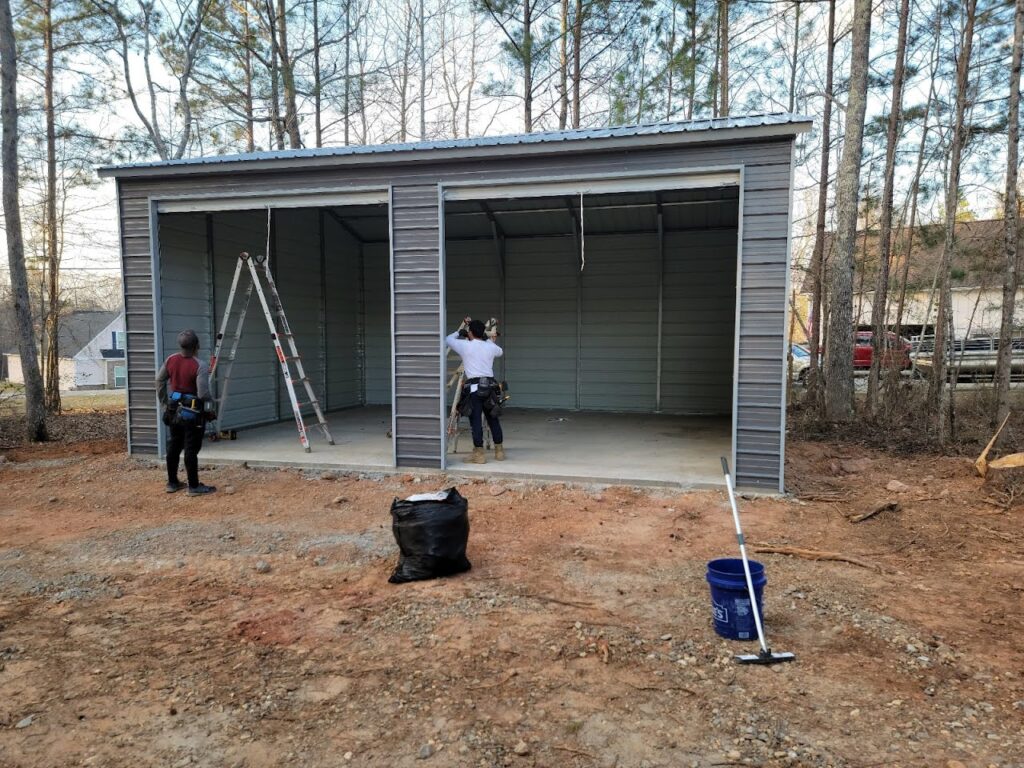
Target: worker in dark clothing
(478,354)
(183,385)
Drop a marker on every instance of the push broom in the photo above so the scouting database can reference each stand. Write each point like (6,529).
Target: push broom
(766,655)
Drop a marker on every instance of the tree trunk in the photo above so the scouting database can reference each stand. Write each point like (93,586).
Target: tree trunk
(51,319)
(941,394)
(881,298)
(347,117)
(577,61)
(1011,239)
(796,52)
(291,112)
(563,66)
(250,109)
(35,410)
(915,197)
(818,254)
(839,356)
(277,126)
(527,53)
(692,96)
(723,85)
(671,65)
(318,123)
(423,71)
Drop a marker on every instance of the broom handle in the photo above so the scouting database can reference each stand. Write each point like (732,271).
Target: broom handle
(743,554)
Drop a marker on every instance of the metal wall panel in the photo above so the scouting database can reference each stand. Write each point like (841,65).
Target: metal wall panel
(377,320)
(541,277)
(698,325)
(473,288)
(296,266)
(416,266)
(343,300)
(767,172)
(619,321)
(186,290)
(252,396)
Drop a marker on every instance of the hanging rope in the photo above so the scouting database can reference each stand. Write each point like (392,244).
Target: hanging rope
(583,237)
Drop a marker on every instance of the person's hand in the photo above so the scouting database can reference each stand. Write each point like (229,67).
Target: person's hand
(467,320)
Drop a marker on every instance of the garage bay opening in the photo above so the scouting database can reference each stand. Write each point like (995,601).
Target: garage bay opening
(332,270)
(617,315)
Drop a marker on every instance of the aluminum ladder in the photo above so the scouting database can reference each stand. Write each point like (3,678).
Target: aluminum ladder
(257,265)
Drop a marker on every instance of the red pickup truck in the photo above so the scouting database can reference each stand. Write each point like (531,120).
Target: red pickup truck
(895,355)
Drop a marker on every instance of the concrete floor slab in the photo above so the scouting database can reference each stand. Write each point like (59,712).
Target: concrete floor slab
(360,436)
(595,447)
(607,447)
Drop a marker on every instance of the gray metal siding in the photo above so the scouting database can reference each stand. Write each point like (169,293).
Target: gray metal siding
(377,319)
(767,169)
(299,281)
(699,322)
(473,287)
(417,291)
(541,288)
(619,313)
(185,285)
(252,394)
(344,296)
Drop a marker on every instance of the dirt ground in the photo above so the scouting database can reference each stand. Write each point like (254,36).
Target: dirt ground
(139,628)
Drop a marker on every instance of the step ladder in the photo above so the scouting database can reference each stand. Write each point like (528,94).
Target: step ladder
(257,266)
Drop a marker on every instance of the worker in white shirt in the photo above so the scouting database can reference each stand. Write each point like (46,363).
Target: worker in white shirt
(478,354)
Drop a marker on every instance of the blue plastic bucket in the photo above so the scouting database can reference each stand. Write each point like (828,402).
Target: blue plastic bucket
(730,598)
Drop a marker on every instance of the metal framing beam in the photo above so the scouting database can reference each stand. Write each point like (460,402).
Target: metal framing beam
(345,226)
(578,242)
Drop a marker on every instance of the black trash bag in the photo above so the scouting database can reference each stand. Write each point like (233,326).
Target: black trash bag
(431,530)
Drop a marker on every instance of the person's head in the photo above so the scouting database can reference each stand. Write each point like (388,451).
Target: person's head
(188,342)
(477,330)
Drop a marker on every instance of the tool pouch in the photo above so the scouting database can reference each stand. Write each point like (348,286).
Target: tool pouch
(188,410)
(465,403)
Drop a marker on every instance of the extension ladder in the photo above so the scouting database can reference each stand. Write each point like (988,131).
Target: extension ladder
(257,266)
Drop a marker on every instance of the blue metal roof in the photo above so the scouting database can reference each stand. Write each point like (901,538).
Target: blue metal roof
(780,120)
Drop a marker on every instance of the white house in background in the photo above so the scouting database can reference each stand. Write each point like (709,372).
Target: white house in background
(101,363)
(92,352)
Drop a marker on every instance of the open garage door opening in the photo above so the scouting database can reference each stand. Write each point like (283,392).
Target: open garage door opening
(331,266)
(617,315)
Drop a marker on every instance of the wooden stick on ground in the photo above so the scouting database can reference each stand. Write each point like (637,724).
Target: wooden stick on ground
(815,554)
(889,506)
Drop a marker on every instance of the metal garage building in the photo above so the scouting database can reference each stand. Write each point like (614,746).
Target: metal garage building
(639,275)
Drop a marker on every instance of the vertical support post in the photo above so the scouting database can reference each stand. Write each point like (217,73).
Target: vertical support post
(577,243)
(272,271)
(324,359)
(361,324)
(661,302)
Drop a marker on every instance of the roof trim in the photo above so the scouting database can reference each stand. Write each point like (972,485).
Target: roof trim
(624,137)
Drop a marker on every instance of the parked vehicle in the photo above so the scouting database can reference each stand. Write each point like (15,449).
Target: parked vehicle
(801,362)
(974,359)
(895,355)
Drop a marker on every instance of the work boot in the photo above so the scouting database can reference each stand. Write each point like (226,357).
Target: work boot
(499,452)
(201,490)
(477,457)
(174,487)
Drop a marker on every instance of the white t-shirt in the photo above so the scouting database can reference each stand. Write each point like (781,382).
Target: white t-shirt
(477,356)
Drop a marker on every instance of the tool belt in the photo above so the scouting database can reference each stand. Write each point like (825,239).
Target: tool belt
(183,410)
(488,390)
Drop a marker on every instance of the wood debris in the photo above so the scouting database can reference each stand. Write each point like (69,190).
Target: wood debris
(815,554)
(888,506)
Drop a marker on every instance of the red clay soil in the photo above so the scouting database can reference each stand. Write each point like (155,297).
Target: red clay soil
(139,628)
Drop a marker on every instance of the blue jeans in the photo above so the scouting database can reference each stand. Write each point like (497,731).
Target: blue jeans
(477,423)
